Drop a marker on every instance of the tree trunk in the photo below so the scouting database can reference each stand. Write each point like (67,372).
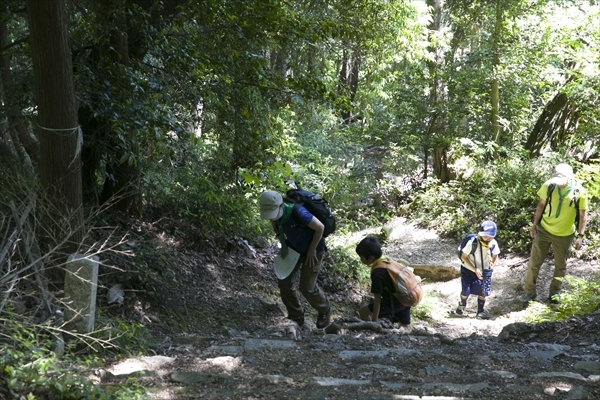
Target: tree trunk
(122,185)
(495,86)
(25,146)
(348,79)
(558,120)
(59,133)
(436,127)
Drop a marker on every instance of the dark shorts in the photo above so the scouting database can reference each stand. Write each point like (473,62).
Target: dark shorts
(401,313)
(472,285)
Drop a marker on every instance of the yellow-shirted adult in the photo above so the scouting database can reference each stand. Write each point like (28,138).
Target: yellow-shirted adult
(554,226)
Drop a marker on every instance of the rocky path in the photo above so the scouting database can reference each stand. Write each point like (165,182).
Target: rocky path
(250,351)
(362,365)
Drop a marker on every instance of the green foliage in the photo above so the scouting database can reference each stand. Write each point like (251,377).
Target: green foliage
(32,370)
(581,297)
(127,338)
(346,266)
(504,191)
(430,308)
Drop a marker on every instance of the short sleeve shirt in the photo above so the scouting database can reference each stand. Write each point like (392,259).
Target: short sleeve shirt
(482,256)
(560,222)
(298,235)
(380,281)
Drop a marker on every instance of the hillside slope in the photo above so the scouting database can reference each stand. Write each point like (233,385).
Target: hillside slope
(221,332)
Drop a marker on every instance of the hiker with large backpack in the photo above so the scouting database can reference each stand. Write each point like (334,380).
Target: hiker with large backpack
(394,286)
(560,217)
(300,234)
(478,254)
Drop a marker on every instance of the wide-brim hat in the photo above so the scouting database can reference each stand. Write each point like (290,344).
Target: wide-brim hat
(284,267)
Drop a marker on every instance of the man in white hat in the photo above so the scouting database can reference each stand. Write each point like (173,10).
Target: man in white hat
(299,230)
(562,199)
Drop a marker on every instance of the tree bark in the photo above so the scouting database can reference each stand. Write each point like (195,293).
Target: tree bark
(437,123)
(558,120)
(58,130)
(25,145)
(348,79)
(495,86)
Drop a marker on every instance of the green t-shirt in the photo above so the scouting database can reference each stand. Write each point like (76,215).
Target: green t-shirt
(559,215)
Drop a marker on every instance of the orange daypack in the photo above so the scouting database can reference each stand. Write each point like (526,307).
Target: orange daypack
(407,284)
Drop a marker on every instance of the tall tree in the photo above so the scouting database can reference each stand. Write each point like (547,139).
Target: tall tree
(495,89)
(58,129)
(24,145)
(123,169)
(437,124)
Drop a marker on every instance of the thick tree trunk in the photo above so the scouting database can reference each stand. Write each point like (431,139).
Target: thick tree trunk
(348,79)
(558,120)
(437,124)
(59,133)
(495,86)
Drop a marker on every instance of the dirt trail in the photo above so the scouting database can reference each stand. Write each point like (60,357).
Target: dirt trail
(239,345)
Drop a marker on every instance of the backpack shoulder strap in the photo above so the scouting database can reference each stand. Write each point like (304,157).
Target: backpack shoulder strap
(474,245)
(392,268)
(296,215)
(575,198)
(551,188)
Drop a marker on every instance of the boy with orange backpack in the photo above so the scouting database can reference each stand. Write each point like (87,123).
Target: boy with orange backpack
(388,277)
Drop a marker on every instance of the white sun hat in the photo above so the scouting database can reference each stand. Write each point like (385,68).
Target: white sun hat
(284,266)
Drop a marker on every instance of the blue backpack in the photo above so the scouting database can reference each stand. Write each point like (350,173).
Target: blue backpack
(464,242)
(461,246)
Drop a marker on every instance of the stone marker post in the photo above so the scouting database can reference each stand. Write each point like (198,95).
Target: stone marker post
(81,286)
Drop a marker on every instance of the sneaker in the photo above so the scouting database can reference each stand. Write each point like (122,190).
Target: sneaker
(482,315)
(324,319)
(298,320)
(460,310)
(527,297)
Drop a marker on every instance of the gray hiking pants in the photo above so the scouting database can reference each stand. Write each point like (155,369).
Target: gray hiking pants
(307,286)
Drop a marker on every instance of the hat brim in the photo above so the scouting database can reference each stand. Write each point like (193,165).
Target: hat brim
(559,180)
(486,234)
(272,214)
(283,267)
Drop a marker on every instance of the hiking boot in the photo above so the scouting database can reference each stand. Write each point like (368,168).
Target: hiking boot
(527,297)
(553,299)
(482,315)
(298,320)
(324,319)
(460,310)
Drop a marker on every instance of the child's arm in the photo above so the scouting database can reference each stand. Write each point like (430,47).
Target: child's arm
(469,265)
(376,307)
(494,260)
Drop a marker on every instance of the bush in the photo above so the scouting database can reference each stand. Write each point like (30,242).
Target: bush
(581,297)
(32,370)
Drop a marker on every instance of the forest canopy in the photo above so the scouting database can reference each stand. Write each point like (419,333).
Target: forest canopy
(447,112)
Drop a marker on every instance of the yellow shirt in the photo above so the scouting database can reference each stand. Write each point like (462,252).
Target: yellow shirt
(559,215)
